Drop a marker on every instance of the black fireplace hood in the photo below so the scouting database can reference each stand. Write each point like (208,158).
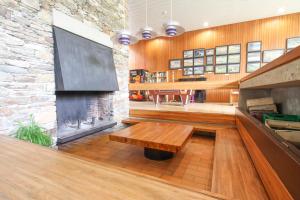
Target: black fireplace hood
(82,64)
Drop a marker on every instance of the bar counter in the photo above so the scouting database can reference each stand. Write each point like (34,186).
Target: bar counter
(192,85)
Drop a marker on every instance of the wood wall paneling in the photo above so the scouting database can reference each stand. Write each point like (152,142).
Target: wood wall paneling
(154,54)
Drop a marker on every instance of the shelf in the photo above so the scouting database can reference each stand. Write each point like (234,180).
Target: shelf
(276,161)
(282,72)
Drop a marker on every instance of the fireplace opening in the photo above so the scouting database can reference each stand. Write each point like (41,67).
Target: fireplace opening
(85,81)
(83,113)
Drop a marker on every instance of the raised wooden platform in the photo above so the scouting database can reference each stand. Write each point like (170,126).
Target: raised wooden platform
(198,126)
(183,116)
(30,171)
(192,85)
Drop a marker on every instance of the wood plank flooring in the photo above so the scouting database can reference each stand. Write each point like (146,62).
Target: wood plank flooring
(234,174)
(191,167)
(29,171)
(221,166)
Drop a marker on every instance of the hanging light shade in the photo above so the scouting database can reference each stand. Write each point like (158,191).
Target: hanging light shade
(147,32)
(172,28)
(124,37)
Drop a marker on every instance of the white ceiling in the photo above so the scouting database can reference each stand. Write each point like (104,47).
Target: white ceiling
(191,14)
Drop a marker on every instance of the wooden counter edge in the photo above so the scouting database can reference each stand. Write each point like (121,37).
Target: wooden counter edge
(284,59)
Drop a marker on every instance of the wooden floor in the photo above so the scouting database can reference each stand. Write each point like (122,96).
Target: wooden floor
(221,165)
(29,171)
(192,167)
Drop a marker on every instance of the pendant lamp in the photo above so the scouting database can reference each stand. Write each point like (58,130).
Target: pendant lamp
(172,28)
(124,36)
(147,32)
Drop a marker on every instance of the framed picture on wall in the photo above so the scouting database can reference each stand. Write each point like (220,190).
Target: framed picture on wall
(221,59)
(234,58)
(188,71)
(209,60)
(270,55)
(188,53)
(188,62)
(198,61)
(251,67)
(234,49)
(221,50)
(233,68)
(198,53)
(198,70)
(209,68)
(254,46)
(292,43)
(210,52)
(220,69)
(175,64)
(254,57)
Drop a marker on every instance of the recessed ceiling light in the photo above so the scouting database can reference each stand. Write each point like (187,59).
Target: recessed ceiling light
(164,13)
(280,10)
(205,24)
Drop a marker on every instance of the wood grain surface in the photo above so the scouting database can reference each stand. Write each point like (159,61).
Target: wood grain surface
(155,135)
(196,85)
(154,54)
(30,171)
(287,58)
(233,167)
(273,184)
(184,116)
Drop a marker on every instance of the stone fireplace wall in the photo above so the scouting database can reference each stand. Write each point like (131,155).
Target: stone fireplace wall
(26,57)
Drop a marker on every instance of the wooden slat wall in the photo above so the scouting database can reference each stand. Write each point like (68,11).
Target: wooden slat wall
(154,55)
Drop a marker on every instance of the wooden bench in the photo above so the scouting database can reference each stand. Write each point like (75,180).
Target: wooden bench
(233,172)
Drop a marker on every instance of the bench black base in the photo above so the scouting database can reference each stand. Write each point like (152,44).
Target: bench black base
(154,154)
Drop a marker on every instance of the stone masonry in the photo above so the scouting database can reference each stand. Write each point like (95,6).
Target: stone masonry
(26,57)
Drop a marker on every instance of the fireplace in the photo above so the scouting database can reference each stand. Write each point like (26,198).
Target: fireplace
(85,80)
(83,113)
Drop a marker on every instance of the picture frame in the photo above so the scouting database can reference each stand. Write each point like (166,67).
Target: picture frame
(222,50)
(234,49)
(270,55)
(199,61)
(221,59)
(188,53)
(220,69)
(209,60)
(188,62)
(292,43)
(254,46)
(175,64)
(199,70)
(188,71)
(234,58)
(233,68)
(210,52)
(199,53)
(251,67)
(254,56)
(209,68)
